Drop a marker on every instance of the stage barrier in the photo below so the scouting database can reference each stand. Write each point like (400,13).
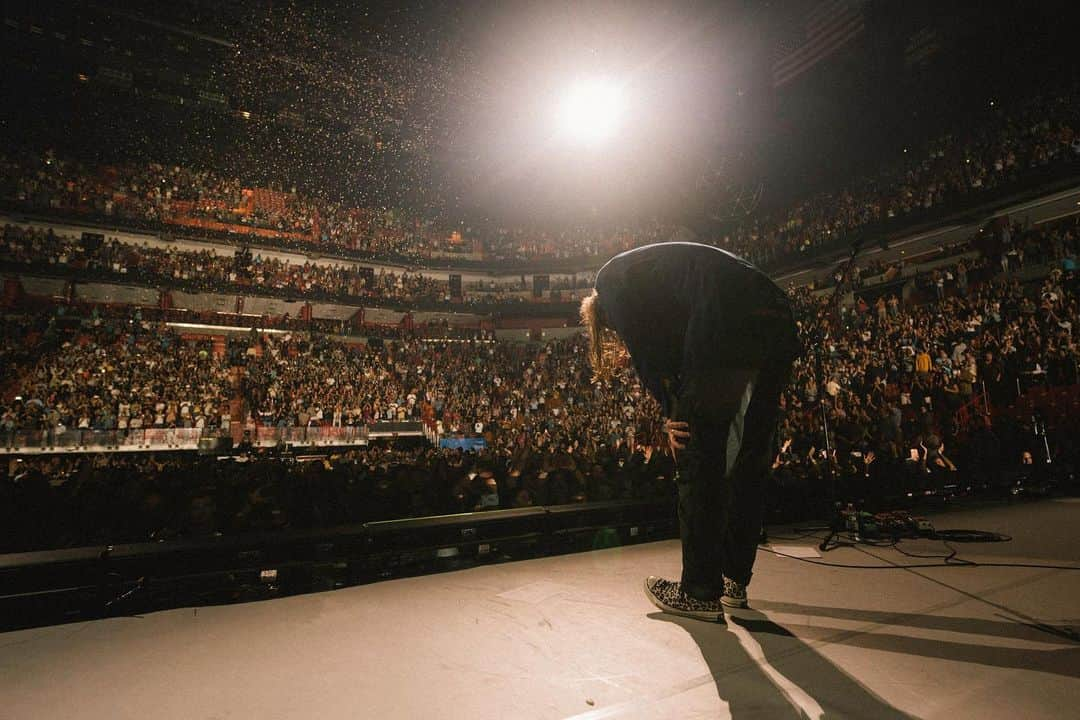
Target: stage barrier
(36,442)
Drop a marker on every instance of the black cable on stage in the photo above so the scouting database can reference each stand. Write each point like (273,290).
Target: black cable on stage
(945,536)
(970,536)
(955,564)
(947,559)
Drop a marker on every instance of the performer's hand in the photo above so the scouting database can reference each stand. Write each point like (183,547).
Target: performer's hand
(677,430)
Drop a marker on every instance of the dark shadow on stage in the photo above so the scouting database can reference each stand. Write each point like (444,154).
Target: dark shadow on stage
(973,626)
(1056,660)
(745,686)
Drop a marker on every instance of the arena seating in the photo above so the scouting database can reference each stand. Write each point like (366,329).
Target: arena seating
(1029,142)
(545,434)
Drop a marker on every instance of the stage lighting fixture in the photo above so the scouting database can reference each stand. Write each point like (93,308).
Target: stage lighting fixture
(591,110)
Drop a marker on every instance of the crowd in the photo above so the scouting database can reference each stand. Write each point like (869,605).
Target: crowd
(472,388)
(64,501)
(159,197)
(1010,144)
(110,375)
(347,101)
(247,271)
(872,409)
(278,93)
(111,371)
(19,334)
(551,436)
(887,378)
(206,270)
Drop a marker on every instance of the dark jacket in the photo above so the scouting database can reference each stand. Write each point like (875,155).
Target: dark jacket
(686,310)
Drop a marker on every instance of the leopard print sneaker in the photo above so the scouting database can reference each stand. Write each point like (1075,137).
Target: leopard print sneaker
(669,597)
(734,594)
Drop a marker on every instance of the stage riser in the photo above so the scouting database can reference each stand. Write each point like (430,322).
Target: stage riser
(84,583)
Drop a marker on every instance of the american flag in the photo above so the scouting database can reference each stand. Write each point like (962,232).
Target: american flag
(827,27)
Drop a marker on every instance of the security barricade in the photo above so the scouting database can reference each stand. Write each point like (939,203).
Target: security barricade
(20,442)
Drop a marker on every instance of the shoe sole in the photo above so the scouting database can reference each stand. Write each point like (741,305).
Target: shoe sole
(694,614)
(734,603)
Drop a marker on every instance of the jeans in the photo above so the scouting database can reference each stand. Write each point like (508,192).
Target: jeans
(722,471)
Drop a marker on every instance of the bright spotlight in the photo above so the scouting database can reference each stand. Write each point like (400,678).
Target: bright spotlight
(591,110)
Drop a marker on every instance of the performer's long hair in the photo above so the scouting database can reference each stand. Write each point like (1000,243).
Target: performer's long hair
(606,351)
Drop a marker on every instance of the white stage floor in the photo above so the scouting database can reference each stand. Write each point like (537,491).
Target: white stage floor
(575,637)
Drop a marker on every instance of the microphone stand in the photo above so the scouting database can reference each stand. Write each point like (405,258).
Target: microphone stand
(834,301)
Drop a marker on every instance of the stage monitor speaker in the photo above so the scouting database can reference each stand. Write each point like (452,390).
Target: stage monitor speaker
(455,287)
